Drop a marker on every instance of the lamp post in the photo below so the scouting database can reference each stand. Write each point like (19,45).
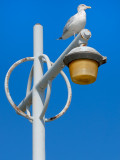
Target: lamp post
(76,53)
(38,98)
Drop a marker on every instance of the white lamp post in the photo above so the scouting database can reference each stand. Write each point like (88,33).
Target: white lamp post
(36,95)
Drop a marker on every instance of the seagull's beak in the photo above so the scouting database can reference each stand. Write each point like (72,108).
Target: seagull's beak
(88,7)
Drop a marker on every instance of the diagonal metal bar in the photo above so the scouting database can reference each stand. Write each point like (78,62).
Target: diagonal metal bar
(82,38)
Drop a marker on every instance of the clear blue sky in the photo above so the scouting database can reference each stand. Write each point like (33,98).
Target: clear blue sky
(90,130)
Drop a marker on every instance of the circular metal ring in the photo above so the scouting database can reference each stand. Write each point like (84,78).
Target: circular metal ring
(48,94)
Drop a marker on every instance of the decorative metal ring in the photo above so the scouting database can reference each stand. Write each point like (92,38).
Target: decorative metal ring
(28,116)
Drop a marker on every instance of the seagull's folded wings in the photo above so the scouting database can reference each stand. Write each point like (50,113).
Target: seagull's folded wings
(69,22)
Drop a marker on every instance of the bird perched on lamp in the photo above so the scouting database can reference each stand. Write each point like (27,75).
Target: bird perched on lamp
(76,23)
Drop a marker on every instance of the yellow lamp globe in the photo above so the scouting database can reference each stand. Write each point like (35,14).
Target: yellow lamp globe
(83,63)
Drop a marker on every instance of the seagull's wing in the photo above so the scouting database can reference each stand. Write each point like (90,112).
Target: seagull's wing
(69,22)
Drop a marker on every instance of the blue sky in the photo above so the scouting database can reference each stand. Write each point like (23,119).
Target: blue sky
(90,130)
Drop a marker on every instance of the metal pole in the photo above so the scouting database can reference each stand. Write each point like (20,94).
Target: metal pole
(38,97)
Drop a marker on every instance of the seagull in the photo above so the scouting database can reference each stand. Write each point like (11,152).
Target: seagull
(76,23)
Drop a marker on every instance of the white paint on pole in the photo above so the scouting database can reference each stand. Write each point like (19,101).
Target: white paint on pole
(38,97)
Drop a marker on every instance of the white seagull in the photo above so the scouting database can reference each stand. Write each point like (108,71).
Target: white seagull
(76,23)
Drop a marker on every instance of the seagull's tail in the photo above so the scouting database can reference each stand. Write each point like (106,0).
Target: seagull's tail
(59,38)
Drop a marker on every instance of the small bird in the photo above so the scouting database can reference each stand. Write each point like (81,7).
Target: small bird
(76,23)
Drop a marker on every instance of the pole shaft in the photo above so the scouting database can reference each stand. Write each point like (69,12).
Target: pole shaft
(38,98)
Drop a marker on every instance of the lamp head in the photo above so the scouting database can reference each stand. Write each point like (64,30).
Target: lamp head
(83,63)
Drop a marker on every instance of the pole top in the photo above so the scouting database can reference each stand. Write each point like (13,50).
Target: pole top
(38,24)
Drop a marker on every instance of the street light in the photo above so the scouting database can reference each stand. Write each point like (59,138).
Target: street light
(77,56)
(83,63)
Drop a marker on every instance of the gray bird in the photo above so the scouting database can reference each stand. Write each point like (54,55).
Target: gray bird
(76,23)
